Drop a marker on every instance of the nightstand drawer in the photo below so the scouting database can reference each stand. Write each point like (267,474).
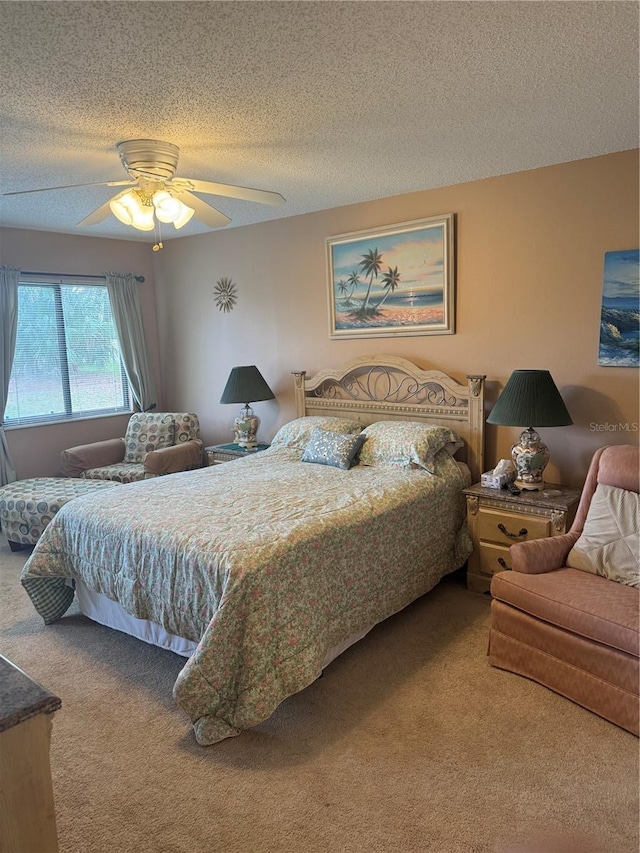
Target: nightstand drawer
(506,527)
(493,558)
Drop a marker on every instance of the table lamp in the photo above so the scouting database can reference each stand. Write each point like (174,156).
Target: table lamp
(530,397)
(246,385)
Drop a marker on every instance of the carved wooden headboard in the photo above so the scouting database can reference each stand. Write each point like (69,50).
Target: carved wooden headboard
(385,387)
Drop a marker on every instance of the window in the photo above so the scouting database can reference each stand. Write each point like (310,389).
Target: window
(67,360)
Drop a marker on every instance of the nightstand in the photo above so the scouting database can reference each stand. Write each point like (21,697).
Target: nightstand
(219,453)
(498,519)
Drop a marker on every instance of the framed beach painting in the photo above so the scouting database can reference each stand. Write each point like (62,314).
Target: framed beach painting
(397,280)
(620,312)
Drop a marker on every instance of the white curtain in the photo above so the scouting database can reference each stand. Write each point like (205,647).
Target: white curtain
(8,326)
(125,304)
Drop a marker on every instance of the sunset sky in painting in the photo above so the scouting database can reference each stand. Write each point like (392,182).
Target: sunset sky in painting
(417,254)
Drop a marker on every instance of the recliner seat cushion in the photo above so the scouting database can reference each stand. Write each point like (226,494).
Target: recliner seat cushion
(121,472)
(585,604)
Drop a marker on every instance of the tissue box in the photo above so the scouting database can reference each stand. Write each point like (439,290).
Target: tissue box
(494,481)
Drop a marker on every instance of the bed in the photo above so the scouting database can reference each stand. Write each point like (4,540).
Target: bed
(263,570)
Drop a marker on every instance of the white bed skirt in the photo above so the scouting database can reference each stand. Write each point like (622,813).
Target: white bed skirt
(101,609)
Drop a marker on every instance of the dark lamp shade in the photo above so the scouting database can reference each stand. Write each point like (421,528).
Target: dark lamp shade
(530,399)
(246,385)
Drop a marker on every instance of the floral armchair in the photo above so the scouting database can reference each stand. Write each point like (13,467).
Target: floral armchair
(154,444)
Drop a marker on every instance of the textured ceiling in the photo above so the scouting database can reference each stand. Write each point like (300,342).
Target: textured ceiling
(328,103)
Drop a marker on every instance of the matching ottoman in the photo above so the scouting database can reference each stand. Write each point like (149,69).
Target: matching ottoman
(27,506)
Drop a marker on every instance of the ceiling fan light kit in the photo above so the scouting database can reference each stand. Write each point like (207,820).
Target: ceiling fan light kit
(137,207)
(153,194)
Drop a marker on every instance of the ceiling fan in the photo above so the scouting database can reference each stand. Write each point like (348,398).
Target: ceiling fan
(155,193)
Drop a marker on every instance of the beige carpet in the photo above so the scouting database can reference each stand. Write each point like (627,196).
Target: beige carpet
(410,742)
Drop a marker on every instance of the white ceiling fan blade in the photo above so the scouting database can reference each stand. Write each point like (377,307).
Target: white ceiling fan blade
(73,186)
(232,191)
(101,212)
(203,211)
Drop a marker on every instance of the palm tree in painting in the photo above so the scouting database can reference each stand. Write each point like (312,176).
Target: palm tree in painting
(342,287)
(354,281)
(391,280)
(371,264)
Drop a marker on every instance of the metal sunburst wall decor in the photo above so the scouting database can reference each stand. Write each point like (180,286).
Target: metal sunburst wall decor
(225,294)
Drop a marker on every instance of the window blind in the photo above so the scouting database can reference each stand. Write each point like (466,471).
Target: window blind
(67,359)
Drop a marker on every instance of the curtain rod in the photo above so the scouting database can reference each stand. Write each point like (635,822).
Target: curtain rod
(139,278)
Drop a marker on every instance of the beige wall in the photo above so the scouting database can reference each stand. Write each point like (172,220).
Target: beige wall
(529,254)
(529,282)
(36,450)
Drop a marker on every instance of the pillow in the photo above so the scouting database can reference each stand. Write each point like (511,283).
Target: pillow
(147,432)
(338,449)
(298,432)
(405,443)
(610,540)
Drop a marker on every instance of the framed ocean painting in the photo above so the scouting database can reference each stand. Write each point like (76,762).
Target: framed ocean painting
(397,280)
(620,312)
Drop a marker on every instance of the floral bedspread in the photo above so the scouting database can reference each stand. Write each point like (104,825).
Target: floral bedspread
(267,562)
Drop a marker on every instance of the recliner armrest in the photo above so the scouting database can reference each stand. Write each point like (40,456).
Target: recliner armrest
(171,460)
(542,555)
(76,460)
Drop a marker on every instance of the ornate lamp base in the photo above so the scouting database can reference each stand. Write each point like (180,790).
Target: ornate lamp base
(245,427)
(530,456)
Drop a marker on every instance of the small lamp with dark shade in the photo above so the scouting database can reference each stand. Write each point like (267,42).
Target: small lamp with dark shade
(530,398)
(246,385)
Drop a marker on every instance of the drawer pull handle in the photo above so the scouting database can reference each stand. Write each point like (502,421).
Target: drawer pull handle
(503,563)
(503,529)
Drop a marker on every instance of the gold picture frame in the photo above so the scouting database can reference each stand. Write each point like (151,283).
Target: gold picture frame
(393,281)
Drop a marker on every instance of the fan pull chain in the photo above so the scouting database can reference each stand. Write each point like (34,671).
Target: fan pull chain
(158,235)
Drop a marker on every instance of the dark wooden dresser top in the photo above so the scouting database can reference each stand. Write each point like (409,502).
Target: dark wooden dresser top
(21,697)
